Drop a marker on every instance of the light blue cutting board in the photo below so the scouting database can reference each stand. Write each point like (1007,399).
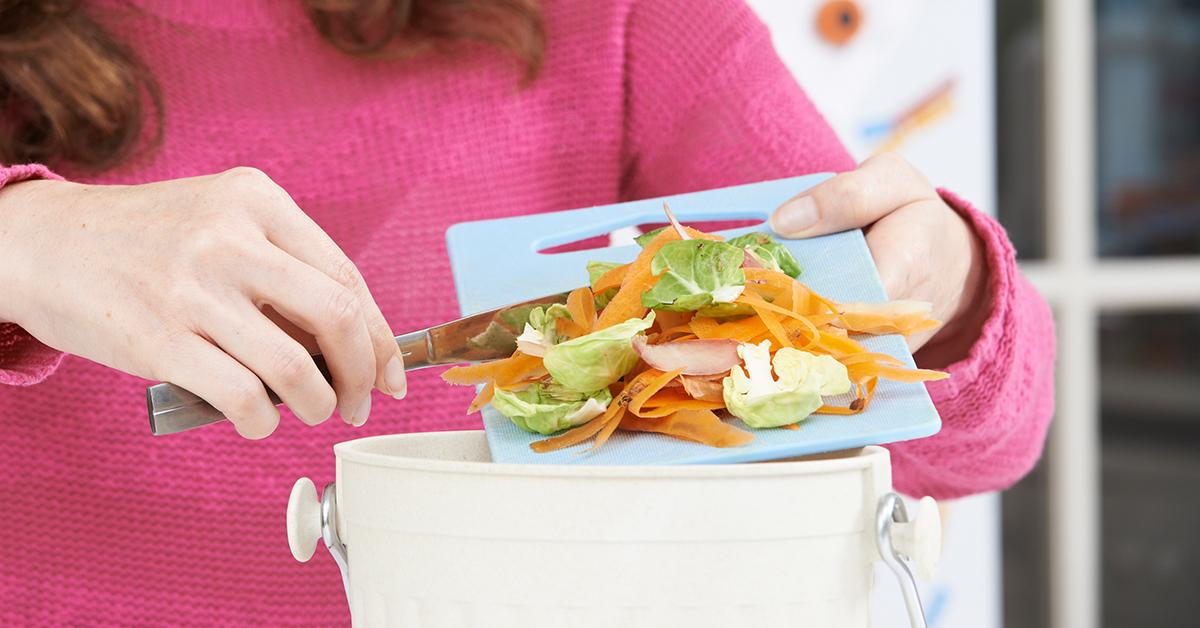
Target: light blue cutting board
(496,262)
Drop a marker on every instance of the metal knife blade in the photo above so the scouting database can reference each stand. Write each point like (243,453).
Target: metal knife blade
(480,337)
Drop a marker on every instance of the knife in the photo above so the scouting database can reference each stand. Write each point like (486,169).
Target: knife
(480,337)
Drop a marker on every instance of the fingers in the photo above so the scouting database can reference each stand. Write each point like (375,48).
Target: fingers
(196,365)
(850,200)
(275,357)
(333,315)
(303,239)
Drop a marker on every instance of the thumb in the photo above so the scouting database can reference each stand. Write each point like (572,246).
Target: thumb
(881,185)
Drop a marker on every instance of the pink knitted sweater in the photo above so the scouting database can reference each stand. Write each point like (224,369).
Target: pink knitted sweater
(638,98)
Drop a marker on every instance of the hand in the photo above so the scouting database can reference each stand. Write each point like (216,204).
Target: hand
(212,283)
(924,250)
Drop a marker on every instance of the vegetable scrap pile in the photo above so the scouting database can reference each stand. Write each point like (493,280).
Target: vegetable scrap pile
(696,329)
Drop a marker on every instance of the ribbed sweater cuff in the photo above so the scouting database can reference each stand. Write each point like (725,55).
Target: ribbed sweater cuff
(23,359)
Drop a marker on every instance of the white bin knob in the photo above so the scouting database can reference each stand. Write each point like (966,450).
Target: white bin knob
(920,539)
(303,520)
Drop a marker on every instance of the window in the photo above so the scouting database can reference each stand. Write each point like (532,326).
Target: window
(1099,179)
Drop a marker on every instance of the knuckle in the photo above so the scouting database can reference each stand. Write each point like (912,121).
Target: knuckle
(208,247)
(888,159)
(243,398)
(849,190)
(176,341)
(346,274)
(899,170)
(341,309)
(247,176)
(256,185)
(189,309)
(291,365)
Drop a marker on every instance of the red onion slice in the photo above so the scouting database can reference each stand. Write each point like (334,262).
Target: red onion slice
(695,357)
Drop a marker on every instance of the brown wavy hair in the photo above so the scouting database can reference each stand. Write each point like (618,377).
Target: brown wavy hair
(71,92)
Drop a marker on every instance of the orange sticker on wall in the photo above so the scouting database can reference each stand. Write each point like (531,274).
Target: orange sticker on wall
(838,21)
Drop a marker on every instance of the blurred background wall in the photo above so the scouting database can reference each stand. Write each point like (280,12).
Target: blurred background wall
(1077,123)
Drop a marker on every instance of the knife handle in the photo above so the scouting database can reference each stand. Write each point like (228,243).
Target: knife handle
(174,409)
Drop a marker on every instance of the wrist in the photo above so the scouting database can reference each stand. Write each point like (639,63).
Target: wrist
(20,203)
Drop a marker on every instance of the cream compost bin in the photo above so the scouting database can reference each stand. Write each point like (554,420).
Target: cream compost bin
(429,533)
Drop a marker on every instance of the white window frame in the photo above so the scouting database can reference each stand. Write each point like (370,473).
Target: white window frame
(1080,285)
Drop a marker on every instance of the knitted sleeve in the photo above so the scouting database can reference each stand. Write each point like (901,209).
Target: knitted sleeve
(24,360)
(710,104)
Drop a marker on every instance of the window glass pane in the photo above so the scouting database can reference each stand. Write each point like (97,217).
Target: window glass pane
(1020,209)
(1026,549)
(1148,142)
(1019,125)
(1150,468)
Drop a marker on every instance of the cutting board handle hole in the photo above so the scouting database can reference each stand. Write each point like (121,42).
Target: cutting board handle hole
(624,236)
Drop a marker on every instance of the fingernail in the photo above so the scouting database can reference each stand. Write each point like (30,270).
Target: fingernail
(393,374)
(360,413)
(795,217)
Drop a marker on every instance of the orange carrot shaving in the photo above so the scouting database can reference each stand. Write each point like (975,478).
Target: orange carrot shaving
(690,404)
(894,317)
(737,330)
(567,327)
(608,429)
(838,346)
(681,332)
(671,400)
(828,409)
(482,399)
(506,371)
(669,395)
(799,301)
(773,325)
(865,391)
(652,381)
(858,358)
(907,376)
(877,324)
(627,302)
(521,384)
(802,331)
(835,331)
(756,302)
(666,319)
(774,281)
(575,435)
(612,278)
(582,307)
(701,426)
(703,327)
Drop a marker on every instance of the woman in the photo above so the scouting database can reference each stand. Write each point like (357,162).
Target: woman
(370,126)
